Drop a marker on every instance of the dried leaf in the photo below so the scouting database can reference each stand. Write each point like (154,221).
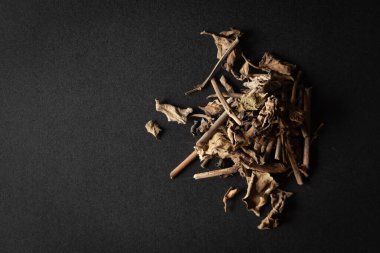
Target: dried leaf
(223,41)
(218,145)
(268,62)
(231,193)
(173,113)
(260,185)
(153,128)
(194,128)
(278,198)
(204,126)
(213,108)
(251,102)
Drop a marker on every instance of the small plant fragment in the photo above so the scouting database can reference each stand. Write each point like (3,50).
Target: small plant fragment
(231,193)
(153,128)
(261,131)
(173,113)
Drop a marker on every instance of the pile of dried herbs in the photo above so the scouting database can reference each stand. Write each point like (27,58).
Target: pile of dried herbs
(261,130)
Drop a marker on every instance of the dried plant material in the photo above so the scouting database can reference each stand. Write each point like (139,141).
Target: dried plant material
(223,42)
(258,133)
(278,198)
(212,108)
(173,113)
(153,128)
(215,173)
(251,102)
(194,128)
(260,185)
(224,103)
(268,62)
(200,86)
(226,85)
(230,194)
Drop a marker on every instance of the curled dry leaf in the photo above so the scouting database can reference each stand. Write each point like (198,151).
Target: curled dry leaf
(212,108)
(260,185)
(223,42)
(268,62)
(251,102)
(231,193)
(173,113)
(153,128)
(218,145)
(278,198)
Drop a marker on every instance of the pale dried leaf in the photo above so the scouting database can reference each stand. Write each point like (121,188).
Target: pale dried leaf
(218,146)
(226,85)
(213,108)
(278,198)
(173,113)
(231,193)
(251,102)
(268,62)
(260,185)
(153,128)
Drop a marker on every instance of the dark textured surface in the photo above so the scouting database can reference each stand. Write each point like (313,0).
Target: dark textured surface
(78,172)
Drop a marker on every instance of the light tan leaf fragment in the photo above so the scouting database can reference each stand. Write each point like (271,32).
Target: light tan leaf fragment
(278,198)
(173,113)
(213,108)
(260,186)
(218,145)
(223,42)
(251,102)
(153,128)
(268,62)
(226,85)
(231,193)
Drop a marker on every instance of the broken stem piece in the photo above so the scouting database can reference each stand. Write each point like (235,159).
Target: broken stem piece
(226,107)
(293,98)
(216,67)
(307,141)
(278,149)
(183,164)
(293,163)
(215,173)
(205,137)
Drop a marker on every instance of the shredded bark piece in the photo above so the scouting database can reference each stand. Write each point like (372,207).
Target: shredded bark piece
(230,194)
(153,128)
(173,113)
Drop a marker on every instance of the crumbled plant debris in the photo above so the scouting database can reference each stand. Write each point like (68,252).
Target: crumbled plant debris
(153,128)
(261,131)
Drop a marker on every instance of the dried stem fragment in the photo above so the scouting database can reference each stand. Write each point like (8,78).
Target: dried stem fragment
(307,141)
(205,137)
(199,87)
(231,193)
(215,173)
(293,98)
(293,163)
(226,107)
(278,149)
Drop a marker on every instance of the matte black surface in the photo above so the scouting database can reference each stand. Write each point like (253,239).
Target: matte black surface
(78,172)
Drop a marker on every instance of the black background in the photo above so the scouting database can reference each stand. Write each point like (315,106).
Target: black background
(78,172)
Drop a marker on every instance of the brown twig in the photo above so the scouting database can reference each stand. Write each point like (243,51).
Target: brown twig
(227,95)
(183,164)
(278,149)
(215,173)
(293,98)
(226,107)
(307,141)
(293,163)
(199,87)
(205,137)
